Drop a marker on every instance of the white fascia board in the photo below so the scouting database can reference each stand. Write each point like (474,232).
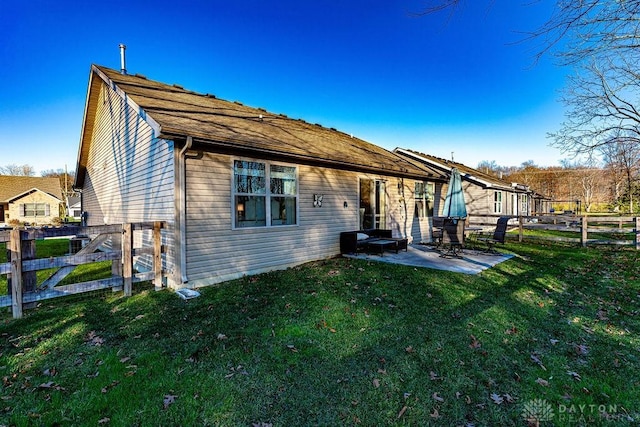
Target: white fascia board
(445,167)
(32,190)
(139,110)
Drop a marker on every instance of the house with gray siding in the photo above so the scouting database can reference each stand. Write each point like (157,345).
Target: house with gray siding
(243,190)
(487,197)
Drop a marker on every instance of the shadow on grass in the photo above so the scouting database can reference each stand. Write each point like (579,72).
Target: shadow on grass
(339,342)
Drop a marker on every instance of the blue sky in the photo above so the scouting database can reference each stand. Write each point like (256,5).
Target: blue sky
(438,84)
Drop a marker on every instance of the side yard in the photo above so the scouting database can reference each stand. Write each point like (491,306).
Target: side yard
(551,335)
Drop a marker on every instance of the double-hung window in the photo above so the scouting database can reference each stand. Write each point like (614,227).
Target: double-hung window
(424,193)
(524,208)
(35,209)
(497,202)
(264,194)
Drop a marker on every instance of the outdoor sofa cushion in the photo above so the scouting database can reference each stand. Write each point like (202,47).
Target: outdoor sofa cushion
(351,241)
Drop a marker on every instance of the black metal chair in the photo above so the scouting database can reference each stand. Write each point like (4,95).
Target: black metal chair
(452,237)
(436,230)
(498,236)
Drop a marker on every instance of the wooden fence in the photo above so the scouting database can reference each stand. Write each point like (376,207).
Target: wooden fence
(627,229)
(113,243)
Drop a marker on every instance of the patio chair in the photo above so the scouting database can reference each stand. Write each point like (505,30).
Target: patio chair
(436,230)
(498,236)
(452,237)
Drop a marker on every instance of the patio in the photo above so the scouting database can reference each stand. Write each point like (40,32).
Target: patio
(472,261)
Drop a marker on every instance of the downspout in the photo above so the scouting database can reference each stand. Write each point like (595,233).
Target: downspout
(182,210)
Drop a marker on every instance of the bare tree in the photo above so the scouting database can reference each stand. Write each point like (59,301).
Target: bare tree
(66,180)
(15,170)
(590,28)
(565,185)
(490,167)
(586,178)
(585,27)
(622,157)
(601,105)
(601,39)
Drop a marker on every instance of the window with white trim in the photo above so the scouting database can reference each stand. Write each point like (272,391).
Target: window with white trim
(264,194)
(424,194)
(524,208)
(497,202)
(35,209)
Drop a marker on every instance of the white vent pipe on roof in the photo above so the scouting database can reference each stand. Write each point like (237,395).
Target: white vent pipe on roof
(123,61)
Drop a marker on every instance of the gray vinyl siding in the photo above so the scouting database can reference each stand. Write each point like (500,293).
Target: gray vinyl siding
(420,228)
(216,252)
(130,172)
(479,199)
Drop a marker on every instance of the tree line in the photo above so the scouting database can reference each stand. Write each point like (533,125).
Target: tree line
(611,185)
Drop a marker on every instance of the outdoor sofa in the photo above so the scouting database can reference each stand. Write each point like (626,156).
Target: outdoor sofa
(352,241)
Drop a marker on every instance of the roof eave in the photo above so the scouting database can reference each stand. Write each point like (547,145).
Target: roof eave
(229,147)
(440,165)
(31,190)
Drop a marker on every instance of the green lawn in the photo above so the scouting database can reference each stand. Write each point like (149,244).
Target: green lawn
(59,247)
(343,342)
(607,234)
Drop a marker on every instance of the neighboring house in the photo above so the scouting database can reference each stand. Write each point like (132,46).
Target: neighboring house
(31,200)
(242,190)
(74,207)
(487,197)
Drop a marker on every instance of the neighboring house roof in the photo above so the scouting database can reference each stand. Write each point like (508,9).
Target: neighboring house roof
(230,127)
(73,201)
(467,173)
(12,187)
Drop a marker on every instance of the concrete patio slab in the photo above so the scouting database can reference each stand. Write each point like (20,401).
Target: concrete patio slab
(472,261)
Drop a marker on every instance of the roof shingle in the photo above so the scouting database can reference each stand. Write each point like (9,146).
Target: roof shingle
(12,186)
(233,127)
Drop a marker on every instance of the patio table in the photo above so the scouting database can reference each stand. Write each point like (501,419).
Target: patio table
(380,245)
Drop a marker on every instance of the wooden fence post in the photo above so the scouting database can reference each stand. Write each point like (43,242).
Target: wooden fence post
(116,264)
(583,232)
(157,255)
(127,258)
(15,248)
(521,228)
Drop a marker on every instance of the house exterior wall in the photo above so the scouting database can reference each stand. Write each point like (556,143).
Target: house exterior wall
(15,208)
(131,177)
(419,229)
(129,172)
(480,202)
(216,252)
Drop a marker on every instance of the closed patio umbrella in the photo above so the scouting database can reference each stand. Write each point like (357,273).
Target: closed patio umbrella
(454,204)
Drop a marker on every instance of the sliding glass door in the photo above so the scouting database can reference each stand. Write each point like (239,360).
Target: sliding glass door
(373,204)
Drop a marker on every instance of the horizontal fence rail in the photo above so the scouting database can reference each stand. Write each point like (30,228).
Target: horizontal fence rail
(621,231)
(113,243)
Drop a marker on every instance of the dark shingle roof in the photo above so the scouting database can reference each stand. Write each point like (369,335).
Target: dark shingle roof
(465,171)
(231,127)
(12,186)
